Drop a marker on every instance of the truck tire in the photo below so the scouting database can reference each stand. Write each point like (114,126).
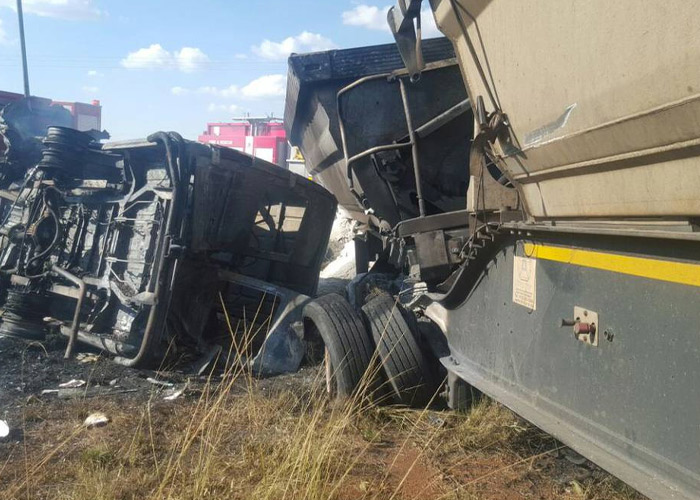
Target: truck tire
(406,367)
(348,346)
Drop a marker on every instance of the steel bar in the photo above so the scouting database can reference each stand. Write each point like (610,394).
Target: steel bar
(414,148)
(432,125)
(72,338)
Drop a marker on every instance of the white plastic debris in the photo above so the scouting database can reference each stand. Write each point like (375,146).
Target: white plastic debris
(175,394)
(86,357)
(45,392)
(4,429)
(96,420)
(72,384)
(161,383)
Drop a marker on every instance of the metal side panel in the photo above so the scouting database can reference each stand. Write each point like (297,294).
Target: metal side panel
(344,66)
(602,99)
(374,115)
(628,398)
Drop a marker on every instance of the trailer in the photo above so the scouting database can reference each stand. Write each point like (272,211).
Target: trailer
(567,286)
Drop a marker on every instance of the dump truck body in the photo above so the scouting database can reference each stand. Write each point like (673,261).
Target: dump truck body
(344,110)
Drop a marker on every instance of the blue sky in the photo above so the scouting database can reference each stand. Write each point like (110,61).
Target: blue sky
(176,65)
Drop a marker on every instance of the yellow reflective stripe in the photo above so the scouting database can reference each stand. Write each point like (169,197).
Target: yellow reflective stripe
(663,270)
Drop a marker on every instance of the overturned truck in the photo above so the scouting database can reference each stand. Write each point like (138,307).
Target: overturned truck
(140,248)
(542,243)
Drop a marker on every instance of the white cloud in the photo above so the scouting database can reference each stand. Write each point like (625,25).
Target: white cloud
(303,42)
(179,91)
(217,108)
(91,89)
(373,17)
(62,9)
(241,56)
(151,57)
(191,59)
(93,73)
(187,59)
(367,16)
(265,87)
(226,92)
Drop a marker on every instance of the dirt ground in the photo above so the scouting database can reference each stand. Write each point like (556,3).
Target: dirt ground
(255,431)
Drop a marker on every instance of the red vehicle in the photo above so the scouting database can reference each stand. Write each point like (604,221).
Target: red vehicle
(264,138)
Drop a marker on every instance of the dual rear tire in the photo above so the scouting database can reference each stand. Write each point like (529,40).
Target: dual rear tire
(374,350)
(348,349)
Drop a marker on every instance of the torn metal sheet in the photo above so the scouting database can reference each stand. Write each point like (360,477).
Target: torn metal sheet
(547,132)
(283,347)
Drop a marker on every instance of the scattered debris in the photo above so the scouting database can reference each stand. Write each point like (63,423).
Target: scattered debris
(175,393)
(72,384)
(96,420)
(49,391)
(85,357)
(4,429)
(161,383)
(435,421)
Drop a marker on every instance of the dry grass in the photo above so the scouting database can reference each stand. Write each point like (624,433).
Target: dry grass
(232,441)
(235,440)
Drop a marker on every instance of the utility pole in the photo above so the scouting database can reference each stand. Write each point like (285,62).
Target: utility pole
(25,69)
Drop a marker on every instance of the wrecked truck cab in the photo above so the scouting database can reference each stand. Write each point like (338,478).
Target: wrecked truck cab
(128,246)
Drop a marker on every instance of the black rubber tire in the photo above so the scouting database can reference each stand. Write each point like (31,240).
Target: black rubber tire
(346,340)
(406,367)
